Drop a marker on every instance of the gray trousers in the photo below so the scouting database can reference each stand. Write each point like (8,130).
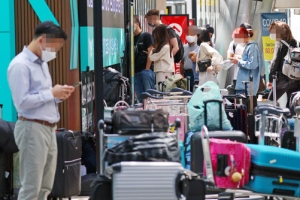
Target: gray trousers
(38,157)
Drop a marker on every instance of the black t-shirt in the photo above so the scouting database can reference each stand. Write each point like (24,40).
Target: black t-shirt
(145,42)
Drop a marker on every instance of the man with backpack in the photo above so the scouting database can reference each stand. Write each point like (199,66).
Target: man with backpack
(153,19)
(144,77)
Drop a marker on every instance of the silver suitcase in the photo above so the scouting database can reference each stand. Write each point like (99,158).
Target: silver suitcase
(146,180)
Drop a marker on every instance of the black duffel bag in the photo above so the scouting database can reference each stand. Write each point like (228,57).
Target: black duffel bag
(134,122)
(145,147)
(7,141)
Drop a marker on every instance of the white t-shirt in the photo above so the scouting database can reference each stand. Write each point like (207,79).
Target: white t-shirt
(239,49)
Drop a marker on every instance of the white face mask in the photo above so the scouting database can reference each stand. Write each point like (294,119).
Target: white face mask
(273,36)
(48,55)
(190,39)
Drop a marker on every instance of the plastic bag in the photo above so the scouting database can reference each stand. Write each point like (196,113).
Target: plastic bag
(207,91)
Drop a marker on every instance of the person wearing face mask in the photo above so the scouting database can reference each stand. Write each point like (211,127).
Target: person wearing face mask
(250,63)
(153,19)
(144,77)
(186,64)
(235,51)
(36,102)
(280,31)
(207,52)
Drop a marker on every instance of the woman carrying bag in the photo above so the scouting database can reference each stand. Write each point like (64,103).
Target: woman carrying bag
(208,59)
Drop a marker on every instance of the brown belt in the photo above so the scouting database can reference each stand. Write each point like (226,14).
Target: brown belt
(37,121)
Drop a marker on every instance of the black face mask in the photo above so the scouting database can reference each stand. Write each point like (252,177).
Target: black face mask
(151,25)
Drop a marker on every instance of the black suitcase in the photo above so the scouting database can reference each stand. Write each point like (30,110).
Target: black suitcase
(197,156)
(237,114)
(67,180)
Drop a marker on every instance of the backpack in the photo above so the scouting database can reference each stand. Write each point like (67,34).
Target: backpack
(113,87)
(291,65)
(175,80)
(179,55)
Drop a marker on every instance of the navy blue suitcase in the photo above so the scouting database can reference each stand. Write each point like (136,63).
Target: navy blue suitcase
(274,171)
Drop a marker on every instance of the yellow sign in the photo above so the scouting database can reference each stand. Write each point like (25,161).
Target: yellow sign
(268,47)
(207,2)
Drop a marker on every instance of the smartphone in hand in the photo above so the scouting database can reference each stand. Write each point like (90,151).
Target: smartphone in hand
(77,84)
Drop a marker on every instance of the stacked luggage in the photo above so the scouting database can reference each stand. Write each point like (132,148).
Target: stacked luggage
(140,159)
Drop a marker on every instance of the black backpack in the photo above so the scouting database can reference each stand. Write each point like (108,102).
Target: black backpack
(112,90)
(179,55)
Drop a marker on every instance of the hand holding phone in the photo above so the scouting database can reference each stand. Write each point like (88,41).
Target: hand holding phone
(77,84)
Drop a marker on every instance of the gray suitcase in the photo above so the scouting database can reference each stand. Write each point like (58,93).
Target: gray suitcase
(146,180)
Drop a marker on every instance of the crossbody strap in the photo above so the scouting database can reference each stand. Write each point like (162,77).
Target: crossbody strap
(137,43)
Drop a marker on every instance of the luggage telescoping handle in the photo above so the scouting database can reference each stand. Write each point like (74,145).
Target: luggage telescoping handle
(251,95)
(206,153)
(220,111)
(274,89)
(101,146)
(246,87)
(188,78)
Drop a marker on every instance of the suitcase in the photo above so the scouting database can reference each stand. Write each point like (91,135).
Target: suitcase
(67,180)
(196,150)
(150,180)
(237,114)
(274,171)
(227,163)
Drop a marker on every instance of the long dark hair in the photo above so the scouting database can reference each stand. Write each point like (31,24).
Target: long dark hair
(203,37)
(161,38)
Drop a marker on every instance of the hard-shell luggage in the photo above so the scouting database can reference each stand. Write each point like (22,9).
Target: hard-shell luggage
(227,163)
(274,171)
(195,148)
(67,180)
(151,180)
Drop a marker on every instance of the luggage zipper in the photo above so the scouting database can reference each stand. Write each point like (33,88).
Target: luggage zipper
(275,172)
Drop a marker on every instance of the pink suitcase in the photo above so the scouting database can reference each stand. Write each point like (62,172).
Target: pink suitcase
(230,163)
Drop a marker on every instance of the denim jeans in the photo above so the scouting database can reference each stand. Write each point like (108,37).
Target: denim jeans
(143,81)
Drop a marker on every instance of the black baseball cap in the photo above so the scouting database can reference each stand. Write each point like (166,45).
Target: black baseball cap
(246,26)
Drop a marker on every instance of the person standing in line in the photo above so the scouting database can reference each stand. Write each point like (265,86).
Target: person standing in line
(36,102)
(281,33)
(250,63)
(153,19)
(186,64)
(144,77)
(235,51)
(208,53)
(193,57)
(161,55)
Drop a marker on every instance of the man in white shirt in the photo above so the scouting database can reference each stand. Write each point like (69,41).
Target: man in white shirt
(36,102)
